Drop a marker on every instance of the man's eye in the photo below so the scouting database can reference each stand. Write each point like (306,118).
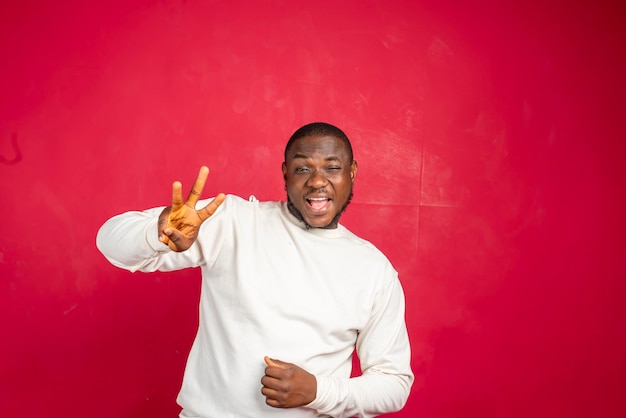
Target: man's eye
(333,168)
(301,169)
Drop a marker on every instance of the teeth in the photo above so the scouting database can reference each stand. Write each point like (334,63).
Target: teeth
(318,198)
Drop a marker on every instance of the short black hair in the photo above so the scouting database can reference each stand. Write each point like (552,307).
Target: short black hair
(320,129)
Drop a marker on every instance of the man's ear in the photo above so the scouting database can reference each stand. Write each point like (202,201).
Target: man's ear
(353,169)
(284,171)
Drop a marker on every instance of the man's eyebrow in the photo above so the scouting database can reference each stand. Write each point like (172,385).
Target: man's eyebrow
(306,157)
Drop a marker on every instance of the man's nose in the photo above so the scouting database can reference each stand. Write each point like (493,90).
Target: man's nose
(317,180)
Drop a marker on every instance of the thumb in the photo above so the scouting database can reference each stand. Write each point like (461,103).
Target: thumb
(274,363)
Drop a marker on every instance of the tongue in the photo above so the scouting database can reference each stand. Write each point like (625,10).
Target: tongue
(318,204)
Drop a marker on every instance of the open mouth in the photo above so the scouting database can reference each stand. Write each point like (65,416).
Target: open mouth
(318,204)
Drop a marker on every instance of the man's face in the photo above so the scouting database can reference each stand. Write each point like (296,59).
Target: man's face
(318,177)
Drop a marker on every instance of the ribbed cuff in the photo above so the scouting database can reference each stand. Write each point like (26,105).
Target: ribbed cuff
(152,238)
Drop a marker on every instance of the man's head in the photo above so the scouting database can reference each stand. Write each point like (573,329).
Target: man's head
(319,171)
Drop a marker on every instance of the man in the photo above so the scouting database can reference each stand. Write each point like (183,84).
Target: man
(287,292)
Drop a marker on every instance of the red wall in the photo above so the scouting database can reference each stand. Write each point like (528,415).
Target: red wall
(490,141)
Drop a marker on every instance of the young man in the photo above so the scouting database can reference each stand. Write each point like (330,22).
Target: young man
(287,292)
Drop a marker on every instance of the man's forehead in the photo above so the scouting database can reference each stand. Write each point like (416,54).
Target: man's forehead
(307,146)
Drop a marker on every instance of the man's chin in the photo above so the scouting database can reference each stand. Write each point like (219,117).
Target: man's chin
(315,223)
(309,224)
(321,224)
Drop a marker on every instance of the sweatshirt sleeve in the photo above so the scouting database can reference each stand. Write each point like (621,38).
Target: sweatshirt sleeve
(130,241)
(384,352)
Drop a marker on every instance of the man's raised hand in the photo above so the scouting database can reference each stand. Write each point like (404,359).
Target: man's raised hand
(179,223)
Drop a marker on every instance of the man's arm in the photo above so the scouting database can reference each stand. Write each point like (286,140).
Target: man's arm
(142,240)
(131,241)
(385,355)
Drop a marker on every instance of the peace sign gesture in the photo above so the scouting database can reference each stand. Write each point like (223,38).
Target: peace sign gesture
(179,223)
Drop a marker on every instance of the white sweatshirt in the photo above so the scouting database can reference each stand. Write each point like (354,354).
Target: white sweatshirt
(272,287)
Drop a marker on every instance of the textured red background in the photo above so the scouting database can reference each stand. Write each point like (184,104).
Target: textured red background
(491,147)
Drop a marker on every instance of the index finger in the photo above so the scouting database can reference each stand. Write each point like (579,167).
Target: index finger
(198,186)
(177,195)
